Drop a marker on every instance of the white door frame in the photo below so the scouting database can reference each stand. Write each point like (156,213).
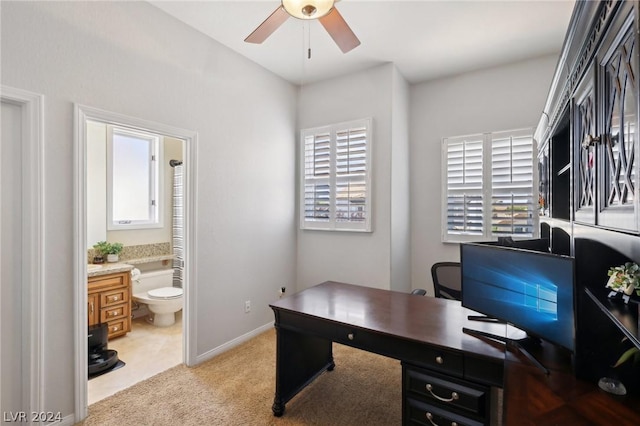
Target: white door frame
(81,115)
(32,107)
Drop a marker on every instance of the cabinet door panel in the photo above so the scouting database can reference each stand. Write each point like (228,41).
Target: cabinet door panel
(585,143)
(93,309)
(618,183)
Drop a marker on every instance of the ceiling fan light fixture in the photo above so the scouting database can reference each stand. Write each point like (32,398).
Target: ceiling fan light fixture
(308,9)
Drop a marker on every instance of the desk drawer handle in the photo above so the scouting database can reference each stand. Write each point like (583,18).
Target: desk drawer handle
(454,395)
(430,418)
(350,336)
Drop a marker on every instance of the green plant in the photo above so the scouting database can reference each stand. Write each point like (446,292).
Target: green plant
(625,278)
(108,248)
(632,353)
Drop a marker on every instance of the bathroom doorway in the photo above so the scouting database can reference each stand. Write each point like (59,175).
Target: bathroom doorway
(170,227)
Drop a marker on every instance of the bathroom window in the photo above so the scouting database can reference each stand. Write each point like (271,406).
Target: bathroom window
(133,170)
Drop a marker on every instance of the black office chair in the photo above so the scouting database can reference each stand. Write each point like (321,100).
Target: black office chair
(447,280)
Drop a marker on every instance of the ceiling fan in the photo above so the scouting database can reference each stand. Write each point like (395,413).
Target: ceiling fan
(322,10)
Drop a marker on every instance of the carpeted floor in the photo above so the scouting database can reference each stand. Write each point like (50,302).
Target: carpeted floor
(237,388)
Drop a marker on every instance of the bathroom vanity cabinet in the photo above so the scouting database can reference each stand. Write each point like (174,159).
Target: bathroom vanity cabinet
(109,301)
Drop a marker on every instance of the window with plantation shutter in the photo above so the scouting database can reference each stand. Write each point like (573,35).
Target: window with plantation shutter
(512,209)
(336,184)
(489,182)
(464,204)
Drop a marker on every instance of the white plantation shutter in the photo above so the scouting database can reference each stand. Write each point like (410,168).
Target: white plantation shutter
(317,153)
(351,175)
(336,179)
(512,209)
(489,184)
(464,186)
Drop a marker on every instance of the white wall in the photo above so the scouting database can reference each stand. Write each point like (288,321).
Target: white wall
(400,187)
(504,98)
(357,258)
(131,58)
(96,183)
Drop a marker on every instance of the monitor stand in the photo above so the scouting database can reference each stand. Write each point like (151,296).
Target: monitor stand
(516,343)
(484,318)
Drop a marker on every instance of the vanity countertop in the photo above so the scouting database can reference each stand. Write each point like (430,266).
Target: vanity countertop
(149,259)
(108,268)
(124,265)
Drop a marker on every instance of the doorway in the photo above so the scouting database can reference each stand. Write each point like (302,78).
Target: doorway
(86,117)
(21,260)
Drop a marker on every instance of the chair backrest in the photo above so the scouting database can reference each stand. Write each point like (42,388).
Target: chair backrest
(447,280)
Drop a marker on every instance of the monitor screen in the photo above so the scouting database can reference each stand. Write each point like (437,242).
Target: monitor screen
(533,291)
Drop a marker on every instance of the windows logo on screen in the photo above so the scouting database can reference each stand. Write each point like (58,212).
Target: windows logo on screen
(543,299)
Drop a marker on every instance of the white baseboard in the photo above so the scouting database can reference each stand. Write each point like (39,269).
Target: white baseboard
(67,420)
(232,343)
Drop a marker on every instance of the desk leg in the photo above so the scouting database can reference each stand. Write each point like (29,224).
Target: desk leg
(299,360)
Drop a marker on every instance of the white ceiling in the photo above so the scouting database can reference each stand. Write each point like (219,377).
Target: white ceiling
(426,39)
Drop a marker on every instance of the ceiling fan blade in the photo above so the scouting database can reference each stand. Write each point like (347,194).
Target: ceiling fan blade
(339,31)
(269,25)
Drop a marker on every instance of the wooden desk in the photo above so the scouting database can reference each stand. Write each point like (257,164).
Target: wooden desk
(426,335)
(447,375)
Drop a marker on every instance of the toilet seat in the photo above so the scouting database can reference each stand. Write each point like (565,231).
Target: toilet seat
(165,293)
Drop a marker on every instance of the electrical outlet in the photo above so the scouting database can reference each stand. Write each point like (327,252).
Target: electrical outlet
(283,289)
(247,306)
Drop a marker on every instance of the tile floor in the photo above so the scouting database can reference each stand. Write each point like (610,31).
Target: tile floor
(146,350)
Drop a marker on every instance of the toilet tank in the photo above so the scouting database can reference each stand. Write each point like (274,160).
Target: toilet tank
(153,279)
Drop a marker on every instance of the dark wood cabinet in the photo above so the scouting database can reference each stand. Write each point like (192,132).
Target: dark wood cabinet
(590,128)
(605,119)
(584,142)
(432,397)
(618,111)
(592,134)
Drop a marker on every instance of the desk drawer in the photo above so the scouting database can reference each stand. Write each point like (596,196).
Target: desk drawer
(421,413)
(430,356)
(448,362)
(446,391)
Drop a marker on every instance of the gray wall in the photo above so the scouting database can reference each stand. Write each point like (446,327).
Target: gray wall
(131,58)
(504,98)
(354,257)
(400,186)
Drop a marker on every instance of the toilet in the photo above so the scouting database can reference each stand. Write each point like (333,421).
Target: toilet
(154,289)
